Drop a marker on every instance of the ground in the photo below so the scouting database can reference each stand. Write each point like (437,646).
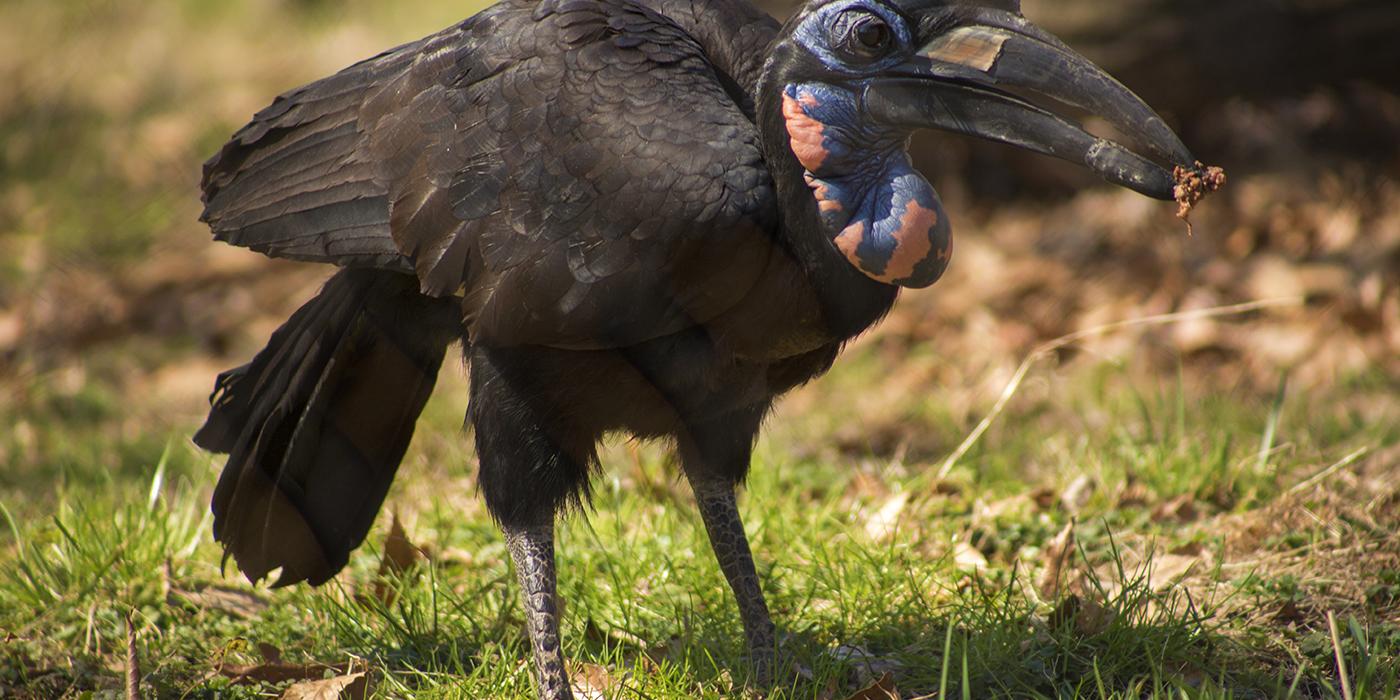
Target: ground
(1100,459)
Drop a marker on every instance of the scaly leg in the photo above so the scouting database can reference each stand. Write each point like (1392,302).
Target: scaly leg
(533,464)
(731,546)
(532,550)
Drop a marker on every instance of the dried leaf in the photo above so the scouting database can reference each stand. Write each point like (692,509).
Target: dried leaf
(281,672)
(353,685)
(1094,618)
(1057,554)
(1077,493)
(967,557)
(1181,509)
(270,653)
(592,682)
(865,484)
(399,555)
(943,487)
(881,525)
(883,689)
(236,602)
(1167,569)
(1133,495)
(1044,497)
(872,664)
(1088,615)
(1290,613)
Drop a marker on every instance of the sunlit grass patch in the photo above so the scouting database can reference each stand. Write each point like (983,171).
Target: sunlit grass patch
(871,567)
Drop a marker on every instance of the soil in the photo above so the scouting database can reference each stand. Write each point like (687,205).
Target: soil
(1193,184)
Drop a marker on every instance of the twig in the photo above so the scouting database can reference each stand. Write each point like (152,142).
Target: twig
(1051,346)
(1337,651)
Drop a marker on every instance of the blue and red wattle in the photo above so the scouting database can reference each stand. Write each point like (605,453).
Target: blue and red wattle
(881,214)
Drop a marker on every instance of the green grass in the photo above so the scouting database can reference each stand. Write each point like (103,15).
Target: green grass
(646,603)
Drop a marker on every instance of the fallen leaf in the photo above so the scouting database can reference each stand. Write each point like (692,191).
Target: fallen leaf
(348,686)
(1044,497)
(1290,613)
(1057,553)
(399,555)
(230,600)
(1167,569)
(871,663)
(984,513)
(865,484)
(1181,509)
(592,682)
(1088,616)
(967,557)
(11,331)
(1094,618)
(1064,612)
(881,525)
(270,653)
(883,689)
(1133,495)
(1077,493)
(281,672)
(943,487)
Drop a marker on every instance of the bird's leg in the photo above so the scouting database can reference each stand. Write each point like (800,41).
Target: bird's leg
(731,546)
(533,463)
(532,550)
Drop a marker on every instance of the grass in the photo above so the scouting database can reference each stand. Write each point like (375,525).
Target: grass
(943,594)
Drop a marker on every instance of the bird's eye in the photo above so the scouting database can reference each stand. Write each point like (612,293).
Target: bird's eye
(869,36)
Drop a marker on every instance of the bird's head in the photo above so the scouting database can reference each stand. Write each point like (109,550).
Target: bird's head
(850,80)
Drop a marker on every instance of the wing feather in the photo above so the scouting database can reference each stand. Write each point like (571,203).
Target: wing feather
(584,173)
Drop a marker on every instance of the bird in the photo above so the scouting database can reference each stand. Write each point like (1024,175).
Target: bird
(647,218)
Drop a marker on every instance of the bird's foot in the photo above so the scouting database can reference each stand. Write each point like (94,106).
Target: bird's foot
(763,656)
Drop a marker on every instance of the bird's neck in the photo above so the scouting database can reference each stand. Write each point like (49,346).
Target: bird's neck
(879,212)
(854,192)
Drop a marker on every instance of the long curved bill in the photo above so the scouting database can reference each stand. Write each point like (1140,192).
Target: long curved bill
(958,83)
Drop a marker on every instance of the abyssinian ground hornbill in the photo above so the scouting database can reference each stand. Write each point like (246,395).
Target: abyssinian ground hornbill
(648,217)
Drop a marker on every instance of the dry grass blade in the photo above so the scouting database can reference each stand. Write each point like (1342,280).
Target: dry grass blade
(1319,477)
(1337,652)
(1051,346)
(133,663)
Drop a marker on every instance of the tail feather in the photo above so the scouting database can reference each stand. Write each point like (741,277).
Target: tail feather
(316,424)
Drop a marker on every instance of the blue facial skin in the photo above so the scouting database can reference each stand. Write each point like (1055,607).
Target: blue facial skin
(868,190)
(880,213)
(822,31)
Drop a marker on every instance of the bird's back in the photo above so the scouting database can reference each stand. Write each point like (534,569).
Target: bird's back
(583,173)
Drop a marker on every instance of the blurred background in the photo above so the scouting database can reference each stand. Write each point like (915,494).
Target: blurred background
(117,310)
